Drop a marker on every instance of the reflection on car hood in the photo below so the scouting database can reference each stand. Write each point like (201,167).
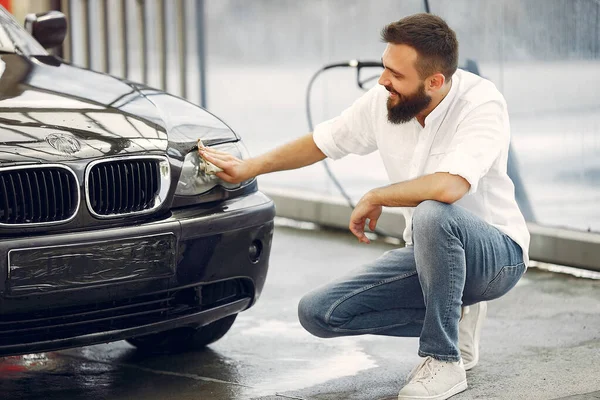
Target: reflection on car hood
(51,111)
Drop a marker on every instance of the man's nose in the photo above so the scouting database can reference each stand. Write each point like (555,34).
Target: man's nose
(383,79)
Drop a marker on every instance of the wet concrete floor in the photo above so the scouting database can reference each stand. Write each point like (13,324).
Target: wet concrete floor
(541,341)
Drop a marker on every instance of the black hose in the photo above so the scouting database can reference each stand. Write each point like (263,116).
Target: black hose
(311,128)
(325,163)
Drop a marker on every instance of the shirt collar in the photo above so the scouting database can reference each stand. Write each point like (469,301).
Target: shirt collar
(445,103)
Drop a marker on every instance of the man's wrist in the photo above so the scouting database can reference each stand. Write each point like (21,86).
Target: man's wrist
(374,197)
(253,167)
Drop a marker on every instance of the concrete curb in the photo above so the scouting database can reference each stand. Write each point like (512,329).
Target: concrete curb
(551,245)
(327,210)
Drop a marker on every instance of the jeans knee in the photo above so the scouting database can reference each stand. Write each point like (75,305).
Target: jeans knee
(431,211)
(430,215)
(312,312)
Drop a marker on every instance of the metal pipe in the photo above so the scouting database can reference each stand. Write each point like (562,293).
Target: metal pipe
(142,24)
(105,35)
(124,39)
(182,50)
(162,31)
(597,31)
(88,40)
(200,34)
(67,48)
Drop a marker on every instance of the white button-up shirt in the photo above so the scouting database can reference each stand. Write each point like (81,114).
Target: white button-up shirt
(467,134)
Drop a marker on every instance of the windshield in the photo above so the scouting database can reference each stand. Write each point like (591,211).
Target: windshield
(15,39)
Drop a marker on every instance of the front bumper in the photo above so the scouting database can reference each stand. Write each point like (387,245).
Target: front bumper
(201,270)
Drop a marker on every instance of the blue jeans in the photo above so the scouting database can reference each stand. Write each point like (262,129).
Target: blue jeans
(417,291)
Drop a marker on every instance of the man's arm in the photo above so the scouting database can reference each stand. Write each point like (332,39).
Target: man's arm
(441,186)
(296,154)
(352,132)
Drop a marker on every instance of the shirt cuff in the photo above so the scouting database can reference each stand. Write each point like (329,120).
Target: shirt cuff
(462,165)
(323,137)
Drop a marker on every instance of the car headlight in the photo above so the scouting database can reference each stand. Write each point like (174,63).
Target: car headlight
(193,181)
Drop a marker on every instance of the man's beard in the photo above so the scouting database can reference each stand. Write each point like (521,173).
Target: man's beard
(408,106)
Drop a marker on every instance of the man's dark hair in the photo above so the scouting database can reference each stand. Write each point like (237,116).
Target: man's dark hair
(433,40)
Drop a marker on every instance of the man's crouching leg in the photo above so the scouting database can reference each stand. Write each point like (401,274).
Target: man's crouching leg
(383,297)
(440,261)
(459,258)
(312,313)
(441,270)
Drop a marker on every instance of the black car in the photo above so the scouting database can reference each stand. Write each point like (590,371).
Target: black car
(109,228)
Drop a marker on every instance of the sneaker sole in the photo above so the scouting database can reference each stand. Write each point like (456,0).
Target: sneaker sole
(456,389)
(480,318)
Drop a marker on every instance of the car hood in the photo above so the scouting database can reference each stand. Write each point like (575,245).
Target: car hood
(51,111)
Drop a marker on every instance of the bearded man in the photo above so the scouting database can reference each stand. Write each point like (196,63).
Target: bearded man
(443,135)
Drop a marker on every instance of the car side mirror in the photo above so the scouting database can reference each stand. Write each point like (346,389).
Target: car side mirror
(49,28)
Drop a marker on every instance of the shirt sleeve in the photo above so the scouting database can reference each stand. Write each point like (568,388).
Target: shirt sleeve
(352,132)
(477,143)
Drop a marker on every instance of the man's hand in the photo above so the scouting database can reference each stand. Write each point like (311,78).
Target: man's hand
(234,169)
(295,154)
(367,208)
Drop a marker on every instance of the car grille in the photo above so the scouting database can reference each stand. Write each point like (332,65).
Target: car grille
(37,195)
(126,186)
(69,322)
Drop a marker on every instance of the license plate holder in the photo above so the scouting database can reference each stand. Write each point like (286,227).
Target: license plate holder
(52,268)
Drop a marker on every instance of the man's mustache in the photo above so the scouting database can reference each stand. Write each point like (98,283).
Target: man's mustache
(391,89)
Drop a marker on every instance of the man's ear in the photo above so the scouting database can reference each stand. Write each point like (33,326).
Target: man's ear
(436,82)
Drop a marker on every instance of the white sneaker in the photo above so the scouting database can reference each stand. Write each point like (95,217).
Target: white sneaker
(434,379)
(469,333)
